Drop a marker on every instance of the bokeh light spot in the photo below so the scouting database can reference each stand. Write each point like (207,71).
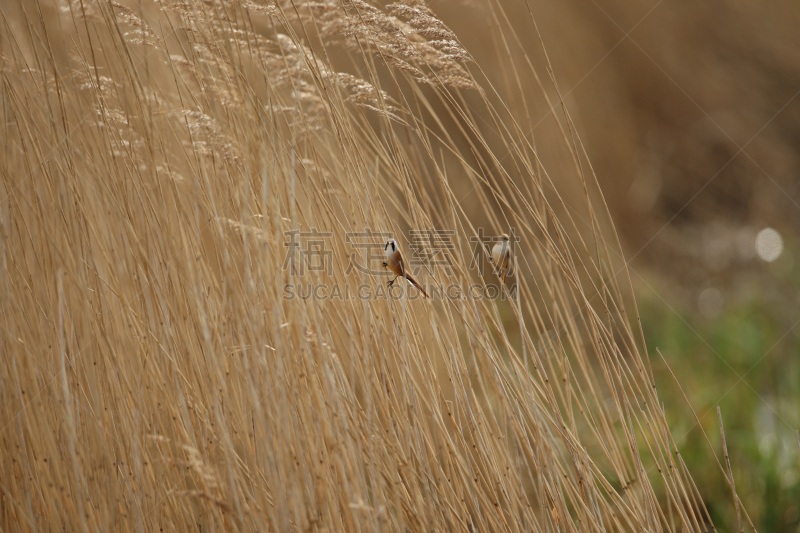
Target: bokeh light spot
(769,244)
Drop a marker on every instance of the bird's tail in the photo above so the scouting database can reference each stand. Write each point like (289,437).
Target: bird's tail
(417,285)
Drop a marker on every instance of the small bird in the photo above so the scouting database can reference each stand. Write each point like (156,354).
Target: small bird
(501,257)
(395,263)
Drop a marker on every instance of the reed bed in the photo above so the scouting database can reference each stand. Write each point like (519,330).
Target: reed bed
(162,365)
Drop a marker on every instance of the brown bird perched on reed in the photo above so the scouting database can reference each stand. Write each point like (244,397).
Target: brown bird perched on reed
(501,257)
(395,263)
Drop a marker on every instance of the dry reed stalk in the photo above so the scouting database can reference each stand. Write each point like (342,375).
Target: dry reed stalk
(730,470)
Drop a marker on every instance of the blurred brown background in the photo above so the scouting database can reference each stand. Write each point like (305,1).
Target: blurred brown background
(690,115)
(688,110)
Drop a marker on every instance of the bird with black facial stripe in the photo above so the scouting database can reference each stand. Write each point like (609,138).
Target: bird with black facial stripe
(396,263)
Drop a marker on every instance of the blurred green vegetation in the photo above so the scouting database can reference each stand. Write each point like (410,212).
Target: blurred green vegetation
(743,356)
